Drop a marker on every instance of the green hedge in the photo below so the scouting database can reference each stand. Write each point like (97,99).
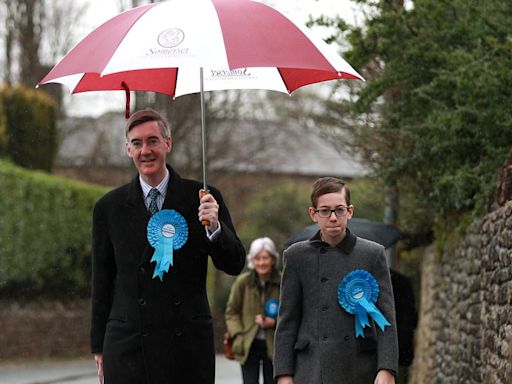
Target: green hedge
(45,224)
(31,127)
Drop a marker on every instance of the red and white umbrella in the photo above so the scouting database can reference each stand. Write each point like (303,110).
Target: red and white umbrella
(179,47)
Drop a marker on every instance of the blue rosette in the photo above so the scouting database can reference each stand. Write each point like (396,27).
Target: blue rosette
(272,308)
(357,294)
(167,231)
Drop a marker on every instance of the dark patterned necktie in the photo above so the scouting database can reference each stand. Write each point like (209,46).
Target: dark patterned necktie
(153,206)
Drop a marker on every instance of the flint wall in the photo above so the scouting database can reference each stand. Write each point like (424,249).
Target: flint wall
(465,328)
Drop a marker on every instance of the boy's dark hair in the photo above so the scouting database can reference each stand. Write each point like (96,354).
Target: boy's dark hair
(145,115)
(325,185)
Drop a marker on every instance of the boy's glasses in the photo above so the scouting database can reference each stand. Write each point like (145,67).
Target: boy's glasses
(327,212)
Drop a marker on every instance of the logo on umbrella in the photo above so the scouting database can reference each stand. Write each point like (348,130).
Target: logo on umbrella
(226,74)
(171,38)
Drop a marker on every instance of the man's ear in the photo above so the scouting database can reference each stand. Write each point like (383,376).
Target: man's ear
(313,214)
(128,152)
(169,143)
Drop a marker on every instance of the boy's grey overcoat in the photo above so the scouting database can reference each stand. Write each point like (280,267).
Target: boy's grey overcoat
(315,338)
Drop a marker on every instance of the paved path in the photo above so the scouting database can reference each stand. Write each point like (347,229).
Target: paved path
(84,372)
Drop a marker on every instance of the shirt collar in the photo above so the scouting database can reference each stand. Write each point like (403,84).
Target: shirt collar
(346,245)
(162,187)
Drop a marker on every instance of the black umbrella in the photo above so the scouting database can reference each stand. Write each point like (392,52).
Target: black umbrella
(385,234)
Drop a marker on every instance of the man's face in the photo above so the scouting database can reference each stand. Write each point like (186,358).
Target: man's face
(148,149)
(332,227)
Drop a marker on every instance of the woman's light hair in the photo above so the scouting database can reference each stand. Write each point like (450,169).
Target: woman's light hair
(262,244)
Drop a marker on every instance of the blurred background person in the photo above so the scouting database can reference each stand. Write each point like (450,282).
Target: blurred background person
(251,312)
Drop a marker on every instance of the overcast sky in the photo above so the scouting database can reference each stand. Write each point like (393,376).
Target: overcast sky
(100,11)
(96,103)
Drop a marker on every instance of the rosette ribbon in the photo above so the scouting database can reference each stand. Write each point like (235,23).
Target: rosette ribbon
(357,294)
(272,308)
(167,231)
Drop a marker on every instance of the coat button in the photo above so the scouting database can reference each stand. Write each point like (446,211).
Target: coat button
(325,308)
(345,338)
(324,338)
(142,270)
(323,250)
(178,331)
(142,302)
(144,333)
(177,302)
(324,279)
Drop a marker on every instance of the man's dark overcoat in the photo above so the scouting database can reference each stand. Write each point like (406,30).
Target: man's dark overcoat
(151,331)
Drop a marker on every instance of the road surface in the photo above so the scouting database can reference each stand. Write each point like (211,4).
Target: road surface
(83,371)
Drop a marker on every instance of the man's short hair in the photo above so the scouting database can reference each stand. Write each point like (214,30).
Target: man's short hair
(325,185)
(145,115)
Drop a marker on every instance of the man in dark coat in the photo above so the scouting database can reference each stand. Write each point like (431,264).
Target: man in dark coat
(150,326)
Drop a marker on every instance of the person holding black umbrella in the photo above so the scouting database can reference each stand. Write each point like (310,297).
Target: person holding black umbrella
(336,320)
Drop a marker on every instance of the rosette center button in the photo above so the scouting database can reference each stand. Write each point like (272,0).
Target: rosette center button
(358,293)
(168,230)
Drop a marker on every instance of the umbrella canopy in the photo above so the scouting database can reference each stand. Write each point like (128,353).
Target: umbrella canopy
(384,234)
(161,47)
(178,47)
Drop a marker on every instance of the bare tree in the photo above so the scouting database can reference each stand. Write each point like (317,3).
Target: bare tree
(25,25)
(37,32)
(62,18)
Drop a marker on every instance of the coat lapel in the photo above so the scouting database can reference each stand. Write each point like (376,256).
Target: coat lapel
(176,198)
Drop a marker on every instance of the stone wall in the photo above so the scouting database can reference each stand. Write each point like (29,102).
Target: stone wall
(52,329)
(39,330)
(465,329)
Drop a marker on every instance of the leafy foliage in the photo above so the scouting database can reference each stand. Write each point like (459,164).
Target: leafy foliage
(367,197)
(31,119)
(277,213)
(45,226)
(434,116)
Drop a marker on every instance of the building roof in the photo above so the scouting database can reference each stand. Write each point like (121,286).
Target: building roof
(236,145)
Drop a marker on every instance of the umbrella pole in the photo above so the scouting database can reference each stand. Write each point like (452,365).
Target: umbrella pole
(203,128)
(204,191)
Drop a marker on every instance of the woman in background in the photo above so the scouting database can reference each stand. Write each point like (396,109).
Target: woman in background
(251,312)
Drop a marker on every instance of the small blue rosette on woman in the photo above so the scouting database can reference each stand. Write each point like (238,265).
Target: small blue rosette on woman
(167,231)
(272,308)
(357,294)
